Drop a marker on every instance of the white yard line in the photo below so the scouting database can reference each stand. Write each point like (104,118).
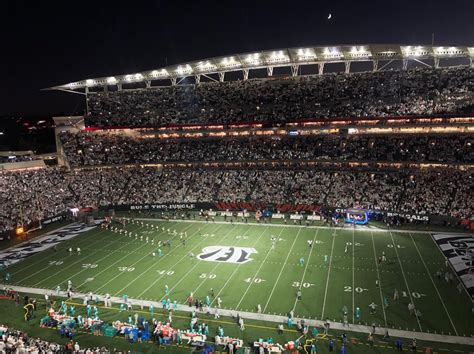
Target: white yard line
(306,267)
(281,271)
(353,275)
(119,260)
(236,267)
(174,265)
(127,255)
(235,271)
(329,273)
(405,278)
(54,254)
(380,282)
(134,263)
(37,238)
(359,229)
(256,273)
(451,266)
(67,267)
(193,267)
(394,333)
(436,288)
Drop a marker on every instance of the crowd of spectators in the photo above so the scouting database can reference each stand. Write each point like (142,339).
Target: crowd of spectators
(33,195)
(14,341)
(93,149)
(382,93)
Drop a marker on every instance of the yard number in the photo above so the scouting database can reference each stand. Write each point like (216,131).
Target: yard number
(89,266)
(126,269)
(241,237)
(254,280)
(208,235)
(208,276)
(414,294)
(357,244)
(391,246)
(296,284)
(348,289)
(166,272)
(55,263)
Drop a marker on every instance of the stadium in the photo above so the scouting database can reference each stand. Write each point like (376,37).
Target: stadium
(281,200)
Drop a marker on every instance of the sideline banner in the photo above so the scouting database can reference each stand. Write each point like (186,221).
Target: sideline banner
(458,249)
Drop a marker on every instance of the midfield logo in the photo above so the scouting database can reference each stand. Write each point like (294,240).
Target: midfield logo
(226,254)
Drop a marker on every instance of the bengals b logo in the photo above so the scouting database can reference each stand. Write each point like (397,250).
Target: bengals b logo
(226,254)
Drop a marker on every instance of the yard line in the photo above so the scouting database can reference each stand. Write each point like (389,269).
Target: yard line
(67,267)
(329,273)
(127,255)
(405,278)
(353,276)
(131,265)
(256,273)
(306,267)
(281,271)
(54,254)
(193,267)
(174,265)
(236,269)
(378,277)
(101,259)
(450,265)
(218,264)
(432,281)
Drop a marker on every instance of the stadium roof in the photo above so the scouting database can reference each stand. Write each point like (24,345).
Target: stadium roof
(288,57)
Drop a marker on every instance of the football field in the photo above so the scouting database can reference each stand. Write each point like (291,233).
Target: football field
(238,261)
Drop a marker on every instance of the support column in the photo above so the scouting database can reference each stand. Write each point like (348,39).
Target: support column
(221,76)
(320,68)
(405,64)
(246,74)
(197,78)
(148,83)
(173,81)
(86,90)
(270,70)
(119,87)
(436,63)
(106,89)
(294,70)
(347,65)
(375,65)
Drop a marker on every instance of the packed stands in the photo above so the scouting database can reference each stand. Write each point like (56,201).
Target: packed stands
(91,149)
(32,195)
(367,94)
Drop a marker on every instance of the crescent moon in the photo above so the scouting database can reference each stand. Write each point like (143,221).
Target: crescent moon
(329,16)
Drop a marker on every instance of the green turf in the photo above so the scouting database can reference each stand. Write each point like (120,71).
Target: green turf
(357,344)
(116,264)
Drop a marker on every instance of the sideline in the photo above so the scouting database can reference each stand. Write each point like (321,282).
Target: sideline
(422,336)
(345,227)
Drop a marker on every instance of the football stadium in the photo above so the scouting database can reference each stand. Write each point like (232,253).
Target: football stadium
(314,199)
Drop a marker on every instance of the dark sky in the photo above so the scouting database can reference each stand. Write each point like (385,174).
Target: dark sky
(44,43)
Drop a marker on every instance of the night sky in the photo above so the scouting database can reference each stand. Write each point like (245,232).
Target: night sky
(44,43)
